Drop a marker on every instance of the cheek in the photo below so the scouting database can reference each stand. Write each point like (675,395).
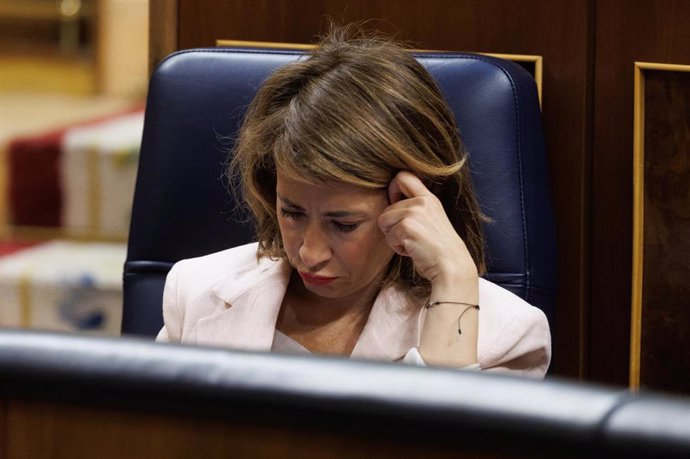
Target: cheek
(288,236)
(369,252)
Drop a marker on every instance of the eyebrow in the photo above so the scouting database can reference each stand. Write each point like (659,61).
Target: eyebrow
(332,214)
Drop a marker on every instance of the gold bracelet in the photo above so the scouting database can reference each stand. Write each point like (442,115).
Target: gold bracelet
(431,304)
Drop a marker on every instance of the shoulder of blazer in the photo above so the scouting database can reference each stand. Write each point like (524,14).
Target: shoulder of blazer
(510,328)
(200,275)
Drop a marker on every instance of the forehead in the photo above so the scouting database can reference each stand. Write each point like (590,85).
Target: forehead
(332,193)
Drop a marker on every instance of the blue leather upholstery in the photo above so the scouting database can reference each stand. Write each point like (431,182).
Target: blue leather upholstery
(195,104)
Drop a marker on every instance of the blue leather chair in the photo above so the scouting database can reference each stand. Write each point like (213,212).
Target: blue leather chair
(197,98)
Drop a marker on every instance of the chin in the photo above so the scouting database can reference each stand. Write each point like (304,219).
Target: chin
(325,291)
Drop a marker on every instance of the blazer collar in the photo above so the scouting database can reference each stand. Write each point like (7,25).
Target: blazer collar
(253,297)
(392,328)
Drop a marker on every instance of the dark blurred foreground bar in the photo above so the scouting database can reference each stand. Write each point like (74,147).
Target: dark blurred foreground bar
(71,396)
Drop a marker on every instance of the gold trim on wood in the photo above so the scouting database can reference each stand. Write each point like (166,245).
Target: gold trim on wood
(538,61)
(638,213)
(264,44)
(638,229)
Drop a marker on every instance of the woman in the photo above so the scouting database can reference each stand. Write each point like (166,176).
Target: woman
(369,234)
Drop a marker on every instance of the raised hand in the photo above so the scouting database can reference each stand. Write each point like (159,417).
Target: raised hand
(416,225)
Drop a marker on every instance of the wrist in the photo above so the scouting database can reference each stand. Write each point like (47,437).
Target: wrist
(450,272)
(462,288)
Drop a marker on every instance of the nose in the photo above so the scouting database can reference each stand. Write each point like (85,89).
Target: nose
(315,250)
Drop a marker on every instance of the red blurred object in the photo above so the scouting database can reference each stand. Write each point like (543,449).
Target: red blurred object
(35,194)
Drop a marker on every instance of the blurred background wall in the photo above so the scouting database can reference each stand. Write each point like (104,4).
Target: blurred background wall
(73,77)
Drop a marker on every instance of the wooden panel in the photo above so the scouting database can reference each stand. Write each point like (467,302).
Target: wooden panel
(36,430)
(162,30)
(626,32)
(660,334)
(3,428)
(557,30)
(534,65)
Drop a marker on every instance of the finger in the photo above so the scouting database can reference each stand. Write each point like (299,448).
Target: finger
(406,236)
(396,241)
(395,213)
(405,185)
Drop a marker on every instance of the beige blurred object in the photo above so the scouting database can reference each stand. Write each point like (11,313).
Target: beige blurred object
(63,286)
(96,46)
(122,56)
(26,113)
(97,174)
(47,46)
(64,62)
(68,17)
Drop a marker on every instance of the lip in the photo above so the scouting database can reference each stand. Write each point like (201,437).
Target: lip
(316,280)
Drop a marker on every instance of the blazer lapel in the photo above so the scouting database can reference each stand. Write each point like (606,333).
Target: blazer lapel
(253,300)
(392,328)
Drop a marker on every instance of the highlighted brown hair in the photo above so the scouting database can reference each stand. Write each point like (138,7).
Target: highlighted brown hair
(357,109)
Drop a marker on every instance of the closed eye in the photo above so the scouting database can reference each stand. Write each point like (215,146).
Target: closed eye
(345,227)
(290,214)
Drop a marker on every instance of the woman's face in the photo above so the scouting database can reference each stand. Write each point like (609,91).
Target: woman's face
(331,235)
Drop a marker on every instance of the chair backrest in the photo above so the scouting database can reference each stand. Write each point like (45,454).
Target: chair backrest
(196,101)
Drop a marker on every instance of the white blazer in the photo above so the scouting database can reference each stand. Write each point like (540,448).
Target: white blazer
(229,299)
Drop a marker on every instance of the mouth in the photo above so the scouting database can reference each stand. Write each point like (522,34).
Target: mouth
(316,280)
